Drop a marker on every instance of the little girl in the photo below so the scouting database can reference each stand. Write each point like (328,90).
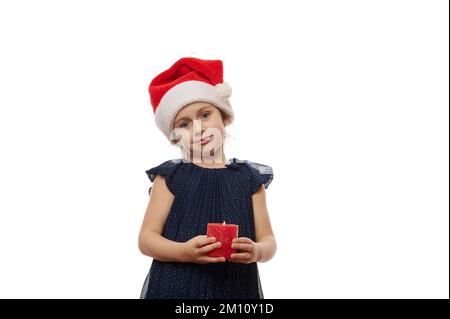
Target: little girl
(191,107)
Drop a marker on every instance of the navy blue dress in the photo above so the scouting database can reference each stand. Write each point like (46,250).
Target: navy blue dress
(201,196)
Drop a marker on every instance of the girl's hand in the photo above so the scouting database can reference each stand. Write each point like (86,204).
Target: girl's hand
(195,250)
(250,251)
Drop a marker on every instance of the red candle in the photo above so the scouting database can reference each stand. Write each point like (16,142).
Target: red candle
(225,233)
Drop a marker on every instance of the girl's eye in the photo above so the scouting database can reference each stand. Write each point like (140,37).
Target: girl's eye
(207,113)
(184,125)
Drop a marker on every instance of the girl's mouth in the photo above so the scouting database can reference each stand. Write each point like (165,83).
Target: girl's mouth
(206,139)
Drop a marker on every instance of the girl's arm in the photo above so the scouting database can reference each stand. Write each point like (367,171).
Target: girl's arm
(151,243)
(265,239)
(265,246)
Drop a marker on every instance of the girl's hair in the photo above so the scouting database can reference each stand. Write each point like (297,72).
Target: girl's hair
(225,117)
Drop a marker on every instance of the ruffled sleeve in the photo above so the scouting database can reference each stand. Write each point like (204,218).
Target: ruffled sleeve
(166,170)
(259,174)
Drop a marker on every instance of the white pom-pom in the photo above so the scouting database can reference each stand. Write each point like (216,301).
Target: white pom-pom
(224,90)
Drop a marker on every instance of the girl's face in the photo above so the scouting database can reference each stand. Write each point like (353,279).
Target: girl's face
(199,128)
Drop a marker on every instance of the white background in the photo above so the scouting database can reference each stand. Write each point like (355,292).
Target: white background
(346,100)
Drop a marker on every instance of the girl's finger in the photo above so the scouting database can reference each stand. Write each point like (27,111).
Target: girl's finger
(244,247)
(242,240)
(202,241)
(240,257)
(208,248)
(207,259)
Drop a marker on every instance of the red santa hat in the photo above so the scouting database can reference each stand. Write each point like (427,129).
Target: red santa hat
(188,80)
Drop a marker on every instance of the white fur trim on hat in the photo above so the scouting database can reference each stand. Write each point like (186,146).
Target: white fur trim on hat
(186,93)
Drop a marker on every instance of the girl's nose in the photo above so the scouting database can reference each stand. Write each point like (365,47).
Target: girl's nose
(199,134)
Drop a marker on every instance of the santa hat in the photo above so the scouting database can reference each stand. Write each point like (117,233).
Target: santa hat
(188,80)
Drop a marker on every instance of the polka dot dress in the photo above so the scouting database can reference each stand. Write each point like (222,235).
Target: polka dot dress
(201,196)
